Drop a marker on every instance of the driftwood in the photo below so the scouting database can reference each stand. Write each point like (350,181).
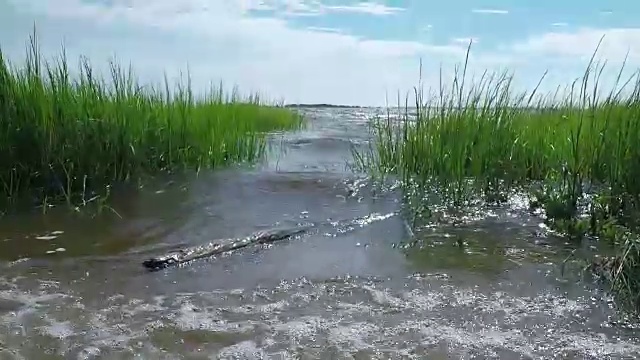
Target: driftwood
(260,237)
(213,248)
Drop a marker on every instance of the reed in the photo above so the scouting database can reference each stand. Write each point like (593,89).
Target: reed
(576,152)
(65,133)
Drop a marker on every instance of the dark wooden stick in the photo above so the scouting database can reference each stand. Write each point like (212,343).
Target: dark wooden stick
(213,248)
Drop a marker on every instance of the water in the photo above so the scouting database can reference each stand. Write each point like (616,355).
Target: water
(73,287)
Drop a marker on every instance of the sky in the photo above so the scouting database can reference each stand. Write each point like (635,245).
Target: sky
(331,51)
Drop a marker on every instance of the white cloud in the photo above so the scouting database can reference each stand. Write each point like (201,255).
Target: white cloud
(560,24)
(316,7)
(218,42)
(325,29)
(366,8)
(466,40)
(566,54)
(300,7)
(583,42)
(490,11)
(247,5)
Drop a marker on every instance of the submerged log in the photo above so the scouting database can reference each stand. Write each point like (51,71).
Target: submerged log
(212,248)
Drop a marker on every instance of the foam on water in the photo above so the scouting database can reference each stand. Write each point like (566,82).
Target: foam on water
(423,316)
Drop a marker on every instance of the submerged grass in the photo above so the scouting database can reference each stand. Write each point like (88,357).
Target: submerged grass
(576,152)
(65,135)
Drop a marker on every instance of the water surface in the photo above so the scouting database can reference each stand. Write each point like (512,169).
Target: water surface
(73,287)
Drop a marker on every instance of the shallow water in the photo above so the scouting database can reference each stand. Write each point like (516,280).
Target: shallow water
(73,287)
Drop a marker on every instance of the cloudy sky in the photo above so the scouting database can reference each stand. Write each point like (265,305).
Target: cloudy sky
(330,51)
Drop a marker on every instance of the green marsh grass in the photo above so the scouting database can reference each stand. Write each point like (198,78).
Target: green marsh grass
(65,134)
(576,152)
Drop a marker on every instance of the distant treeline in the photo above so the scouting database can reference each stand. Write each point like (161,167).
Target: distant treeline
(324,106)
(530,108)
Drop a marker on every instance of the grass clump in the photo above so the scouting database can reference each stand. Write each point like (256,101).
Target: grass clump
(64,135)
(576,152)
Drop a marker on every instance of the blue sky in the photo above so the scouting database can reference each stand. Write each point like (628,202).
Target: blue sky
(330,51)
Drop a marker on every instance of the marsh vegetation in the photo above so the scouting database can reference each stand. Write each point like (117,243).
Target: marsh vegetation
(574,153)
(68,134)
